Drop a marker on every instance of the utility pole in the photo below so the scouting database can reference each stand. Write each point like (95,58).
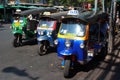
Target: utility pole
(112,23)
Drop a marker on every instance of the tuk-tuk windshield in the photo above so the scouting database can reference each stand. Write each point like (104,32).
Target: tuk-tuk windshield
(48,24)
(18,19)
(72,27)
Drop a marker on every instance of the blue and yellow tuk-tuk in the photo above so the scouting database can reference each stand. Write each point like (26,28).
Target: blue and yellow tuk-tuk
(46,34)
(47,31)
(80,40)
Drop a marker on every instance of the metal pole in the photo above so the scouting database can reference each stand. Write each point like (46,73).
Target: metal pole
(112,24)
(4,10)
(110,37)
(114,16)
(103,5)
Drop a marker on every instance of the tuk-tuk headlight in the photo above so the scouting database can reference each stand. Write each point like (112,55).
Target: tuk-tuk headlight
(82,45)
(49,33)
(21,28)
(56,42)
(41,33)
(38,32)
(67,43)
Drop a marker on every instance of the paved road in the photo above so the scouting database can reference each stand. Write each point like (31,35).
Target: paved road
(23,63)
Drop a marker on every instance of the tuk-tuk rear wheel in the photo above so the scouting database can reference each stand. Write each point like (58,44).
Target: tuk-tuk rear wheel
(104,50)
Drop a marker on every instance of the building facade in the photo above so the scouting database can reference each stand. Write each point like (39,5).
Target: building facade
(8,7)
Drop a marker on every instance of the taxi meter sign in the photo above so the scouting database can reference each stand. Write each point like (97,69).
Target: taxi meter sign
(73,12)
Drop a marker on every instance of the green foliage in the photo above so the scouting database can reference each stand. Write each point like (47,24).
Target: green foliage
(36,0)
(68,2)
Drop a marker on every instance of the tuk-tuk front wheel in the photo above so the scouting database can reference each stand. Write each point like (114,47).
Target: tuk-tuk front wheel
(17,41)
(42,49)
(67,68)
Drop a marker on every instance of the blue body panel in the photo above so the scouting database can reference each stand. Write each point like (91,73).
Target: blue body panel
(73,50)
(45,37)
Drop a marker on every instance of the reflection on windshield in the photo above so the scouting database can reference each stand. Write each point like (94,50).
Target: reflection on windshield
(21,18)
(73,28)
(48,24)
(18,20)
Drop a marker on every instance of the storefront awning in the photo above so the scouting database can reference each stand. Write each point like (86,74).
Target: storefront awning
(29,7)
(1,6)
(19,7)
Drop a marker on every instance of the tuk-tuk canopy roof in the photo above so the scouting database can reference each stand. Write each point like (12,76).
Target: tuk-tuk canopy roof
(37,11)
(47,17)
(26,7)
(72,18)
(59,15)
(71,14)
(1,6)
(56,16)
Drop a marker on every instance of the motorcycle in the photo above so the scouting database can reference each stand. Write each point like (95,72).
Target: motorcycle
(46,34)
(79,41)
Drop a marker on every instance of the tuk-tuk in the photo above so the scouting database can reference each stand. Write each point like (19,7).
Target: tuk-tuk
(17,29)
(47,31)
(79,40)
(23,29)
(24,25)
(46,34)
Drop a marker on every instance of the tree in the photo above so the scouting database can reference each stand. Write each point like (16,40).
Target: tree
(67,2)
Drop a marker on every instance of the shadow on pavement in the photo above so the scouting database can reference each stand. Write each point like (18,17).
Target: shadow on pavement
(19,72)
(113,63)
(87,67)
(30,42)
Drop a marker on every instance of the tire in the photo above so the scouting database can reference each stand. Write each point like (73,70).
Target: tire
(17,41)
(104,51)
(42,50)
(67,68)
